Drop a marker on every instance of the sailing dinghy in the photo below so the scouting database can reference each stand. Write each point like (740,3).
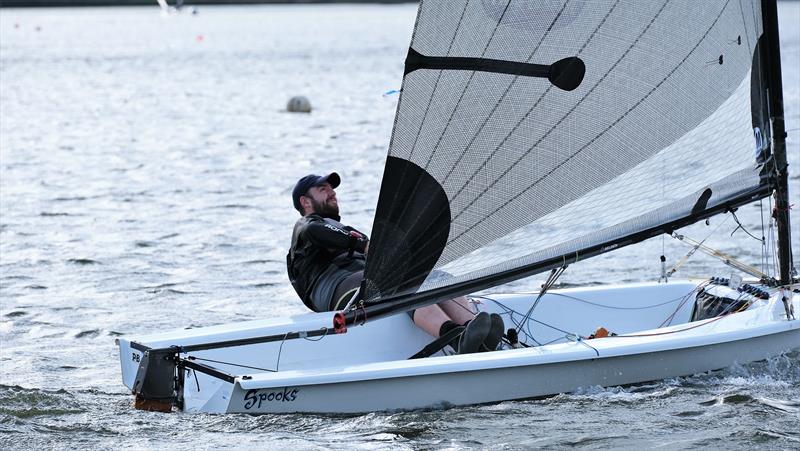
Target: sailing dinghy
(529,136)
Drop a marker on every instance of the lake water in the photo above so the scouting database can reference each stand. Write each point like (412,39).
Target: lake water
(146,167)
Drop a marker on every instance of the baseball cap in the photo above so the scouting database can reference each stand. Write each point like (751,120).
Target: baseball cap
(311,180)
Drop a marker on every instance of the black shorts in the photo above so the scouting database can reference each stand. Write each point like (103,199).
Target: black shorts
(347,288)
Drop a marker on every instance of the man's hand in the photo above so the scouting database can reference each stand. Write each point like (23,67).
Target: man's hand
(361,236)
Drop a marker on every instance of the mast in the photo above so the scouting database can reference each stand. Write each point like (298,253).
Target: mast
(769,11)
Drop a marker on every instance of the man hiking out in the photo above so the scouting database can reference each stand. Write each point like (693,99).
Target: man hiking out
(326,266)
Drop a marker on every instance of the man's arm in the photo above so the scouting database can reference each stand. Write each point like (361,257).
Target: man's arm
(328,235)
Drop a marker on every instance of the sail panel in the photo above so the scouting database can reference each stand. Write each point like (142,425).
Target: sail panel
(503,266)
(663,113)
(601,209)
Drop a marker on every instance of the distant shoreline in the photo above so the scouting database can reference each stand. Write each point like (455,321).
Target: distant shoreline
(186,3)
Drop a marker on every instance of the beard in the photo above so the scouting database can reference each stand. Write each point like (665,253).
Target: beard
(326,209)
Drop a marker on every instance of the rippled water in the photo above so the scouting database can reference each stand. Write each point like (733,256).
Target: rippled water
(146,164)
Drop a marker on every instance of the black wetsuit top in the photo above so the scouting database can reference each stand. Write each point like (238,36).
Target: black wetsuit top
(322,255)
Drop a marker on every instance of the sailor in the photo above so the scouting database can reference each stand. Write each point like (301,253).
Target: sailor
(326,266)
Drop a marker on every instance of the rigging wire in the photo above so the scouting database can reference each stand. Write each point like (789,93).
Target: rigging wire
(772,239)
(683,300)
(740,226)
(518,324)
(280,352)
(196,380)
(620,308)
(723,314)
(663,257)
(579,339)
(277,363)
(694,248)
(280,349)
(523,326)
(554,275)
(352,301)
(191,357)
(764,255)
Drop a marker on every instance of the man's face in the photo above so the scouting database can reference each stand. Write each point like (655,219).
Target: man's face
(323,200)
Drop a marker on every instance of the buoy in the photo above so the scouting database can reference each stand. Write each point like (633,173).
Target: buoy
(298,104)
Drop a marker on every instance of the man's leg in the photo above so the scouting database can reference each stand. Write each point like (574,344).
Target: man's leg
(458,310)
(433,320)
(430,319)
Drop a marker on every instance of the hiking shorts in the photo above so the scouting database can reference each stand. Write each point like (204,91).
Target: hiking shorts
(345,290)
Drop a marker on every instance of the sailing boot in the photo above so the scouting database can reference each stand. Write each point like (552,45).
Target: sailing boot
(492,340)
(475,333)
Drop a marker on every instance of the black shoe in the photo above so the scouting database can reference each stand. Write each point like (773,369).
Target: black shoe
(474,334)
(492,340)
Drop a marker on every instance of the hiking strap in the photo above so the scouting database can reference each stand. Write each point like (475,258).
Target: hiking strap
(438,344)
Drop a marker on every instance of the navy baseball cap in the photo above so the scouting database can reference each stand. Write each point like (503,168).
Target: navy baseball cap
(311,180)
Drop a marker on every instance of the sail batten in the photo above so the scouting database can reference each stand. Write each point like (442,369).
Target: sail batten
(494,171)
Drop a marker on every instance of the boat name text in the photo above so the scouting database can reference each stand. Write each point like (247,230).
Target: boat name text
(254,399)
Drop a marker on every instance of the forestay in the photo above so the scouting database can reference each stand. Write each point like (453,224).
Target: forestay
(501,165)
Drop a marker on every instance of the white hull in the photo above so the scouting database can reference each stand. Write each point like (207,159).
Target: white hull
(367,369)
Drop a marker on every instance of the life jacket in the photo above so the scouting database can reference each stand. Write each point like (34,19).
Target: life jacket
(321,256)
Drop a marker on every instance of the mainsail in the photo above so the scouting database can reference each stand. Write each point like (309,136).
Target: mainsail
(531,134)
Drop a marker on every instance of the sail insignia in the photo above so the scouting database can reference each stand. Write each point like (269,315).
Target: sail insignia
(565,73)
